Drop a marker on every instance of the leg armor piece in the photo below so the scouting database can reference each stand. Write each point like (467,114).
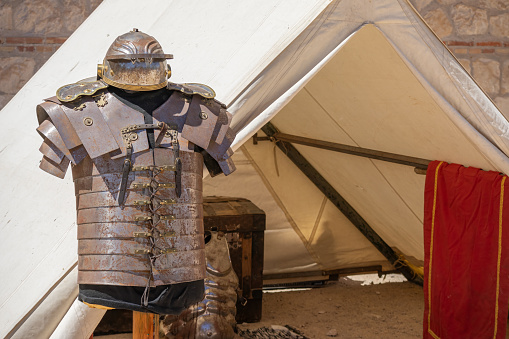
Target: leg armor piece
(214,316)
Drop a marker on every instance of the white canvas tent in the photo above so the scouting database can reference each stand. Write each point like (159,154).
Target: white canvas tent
(358,72)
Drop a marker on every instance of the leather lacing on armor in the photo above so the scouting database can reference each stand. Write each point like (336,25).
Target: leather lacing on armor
(153,230)
(154,252)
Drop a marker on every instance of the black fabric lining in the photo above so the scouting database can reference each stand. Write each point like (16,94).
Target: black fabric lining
(168,299)
(210,163)
(145,103)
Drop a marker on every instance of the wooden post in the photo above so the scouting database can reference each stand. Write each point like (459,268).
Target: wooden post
(145,325)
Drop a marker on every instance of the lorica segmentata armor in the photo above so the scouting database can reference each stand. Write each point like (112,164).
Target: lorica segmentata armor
(139,208)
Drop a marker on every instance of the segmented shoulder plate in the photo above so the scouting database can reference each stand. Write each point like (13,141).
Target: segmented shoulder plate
(193,88)
(86,87)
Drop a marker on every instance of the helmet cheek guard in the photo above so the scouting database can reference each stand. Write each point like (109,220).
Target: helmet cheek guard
(135,61)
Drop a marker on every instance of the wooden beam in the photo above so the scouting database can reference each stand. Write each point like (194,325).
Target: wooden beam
(353,150)
(355,218)
(338,272)
(145,325)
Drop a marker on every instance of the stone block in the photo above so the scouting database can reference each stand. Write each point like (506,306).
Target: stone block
(487,73)
(5,17)
(15,72)
(4,99)
(505,77)
(460,43)
(499,5)
(74,13)
(447,2)
(44,49)
(489,43)
(38,16)
(420,4)
(503,105)
(460,51)
(499,25)
(469,20)
(94,4)
(25,48)
(55,40)
(439,22)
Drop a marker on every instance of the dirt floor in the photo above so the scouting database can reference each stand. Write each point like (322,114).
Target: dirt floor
(391,310)
(346,308)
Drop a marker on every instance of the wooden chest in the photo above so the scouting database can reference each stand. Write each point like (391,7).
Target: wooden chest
(243,224)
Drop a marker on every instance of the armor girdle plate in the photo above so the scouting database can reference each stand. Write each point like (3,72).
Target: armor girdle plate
(116,243)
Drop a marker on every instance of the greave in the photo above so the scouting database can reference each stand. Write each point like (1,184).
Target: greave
(214,316)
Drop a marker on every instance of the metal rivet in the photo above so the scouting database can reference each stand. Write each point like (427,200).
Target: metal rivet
(133,136)
(203,115)
(88,121)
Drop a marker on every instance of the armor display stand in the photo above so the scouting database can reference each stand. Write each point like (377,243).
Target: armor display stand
(145,325)
(137,145)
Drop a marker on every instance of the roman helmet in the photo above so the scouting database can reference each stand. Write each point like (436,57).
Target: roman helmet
(135,61)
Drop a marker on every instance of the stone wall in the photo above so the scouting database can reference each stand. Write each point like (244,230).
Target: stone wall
(477,31)
(30,32)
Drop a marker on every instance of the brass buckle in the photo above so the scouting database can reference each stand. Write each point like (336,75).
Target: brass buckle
(167,217)
(129,128)
(168,168)
(142,218)
(141,202)
(167,185)
(168,201)
(137,185)
(168,250)
(142,234)
(140,168)
(142,251)
(167,234)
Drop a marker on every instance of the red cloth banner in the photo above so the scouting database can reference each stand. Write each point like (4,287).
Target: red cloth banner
(466,245)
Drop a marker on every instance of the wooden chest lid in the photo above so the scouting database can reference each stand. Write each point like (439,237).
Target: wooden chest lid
(224,212)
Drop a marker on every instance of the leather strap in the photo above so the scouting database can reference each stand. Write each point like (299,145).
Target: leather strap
(178,162)
(192,162)
(125,173)
(162,133)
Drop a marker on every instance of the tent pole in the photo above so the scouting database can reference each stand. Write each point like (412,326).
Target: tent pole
(359,151)
(355,218)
